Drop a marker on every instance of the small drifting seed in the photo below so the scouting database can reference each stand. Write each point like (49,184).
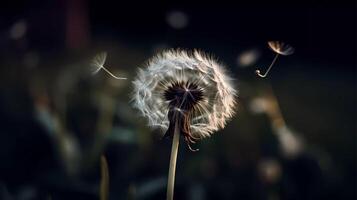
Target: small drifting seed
(98,62)
(280,48)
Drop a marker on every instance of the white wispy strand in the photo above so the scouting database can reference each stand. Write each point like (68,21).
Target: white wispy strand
(211,114)
(98,63)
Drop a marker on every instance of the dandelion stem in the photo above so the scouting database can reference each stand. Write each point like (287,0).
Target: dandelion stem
(271,65)
(172,168)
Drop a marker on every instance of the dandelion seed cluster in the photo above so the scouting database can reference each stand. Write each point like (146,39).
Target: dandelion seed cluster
(183,98)
(193,84)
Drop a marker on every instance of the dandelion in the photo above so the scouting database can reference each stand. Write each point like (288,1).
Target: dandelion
(186,94)
(279,48)
(98,64)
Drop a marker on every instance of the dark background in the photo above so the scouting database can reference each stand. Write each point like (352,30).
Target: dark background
(316,89)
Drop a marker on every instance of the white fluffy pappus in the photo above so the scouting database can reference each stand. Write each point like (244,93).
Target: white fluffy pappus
(211,113)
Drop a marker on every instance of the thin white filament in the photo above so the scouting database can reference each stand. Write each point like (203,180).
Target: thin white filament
(98,62)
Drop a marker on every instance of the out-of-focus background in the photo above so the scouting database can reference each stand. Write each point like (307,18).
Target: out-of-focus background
(294,135)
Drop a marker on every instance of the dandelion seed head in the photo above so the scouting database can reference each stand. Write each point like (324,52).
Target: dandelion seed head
(189,82)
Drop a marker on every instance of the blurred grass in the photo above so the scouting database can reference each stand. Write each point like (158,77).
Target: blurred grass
(104,183)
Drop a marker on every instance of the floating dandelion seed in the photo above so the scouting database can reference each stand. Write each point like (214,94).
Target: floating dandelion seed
(185,94)
(279,48)
(98,63)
